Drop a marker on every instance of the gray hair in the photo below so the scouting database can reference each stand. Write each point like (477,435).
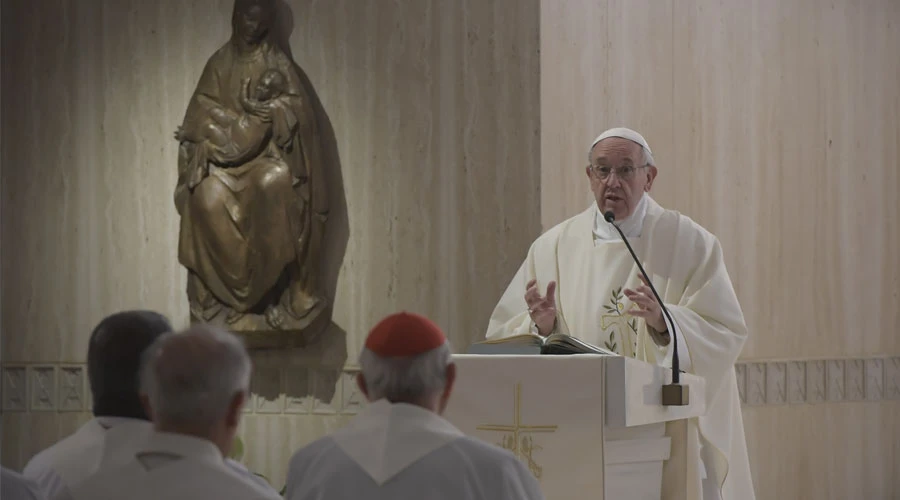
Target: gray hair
(408,379)
(192,377)
(647,156)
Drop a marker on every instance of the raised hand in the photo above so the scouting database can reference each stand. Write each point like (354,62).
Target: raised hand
(647,305)
(542,309)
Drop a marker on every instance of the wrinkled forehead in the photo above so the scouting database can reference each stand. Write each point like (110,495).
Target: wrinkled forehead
(616,150)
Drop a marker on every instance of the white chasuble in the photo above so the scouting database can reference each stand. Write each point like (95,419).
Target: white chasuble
(603,273)
(398,451)
(101,443)
(685,264)
(173,467)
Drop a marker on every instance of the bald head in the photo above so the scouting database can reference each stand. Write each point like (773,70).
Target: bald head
(196,379)
(114,358)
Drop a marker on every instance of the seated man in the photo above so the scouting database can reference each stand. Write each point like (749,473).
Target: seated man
(113,359)
(114,353)
(400,447)
(194,385)
(14,486)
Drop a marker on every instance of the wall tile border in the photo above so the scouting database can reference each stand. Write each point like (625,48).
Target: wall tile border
(62,387)
(892,378)
(816,381)
(42,387)
(15,388)
(72,388)
(796,382)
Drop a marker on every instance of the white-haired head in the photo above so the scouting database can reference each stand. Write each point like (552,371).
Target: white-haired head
(405,380)
(196,382)
(407,360)
(631,135)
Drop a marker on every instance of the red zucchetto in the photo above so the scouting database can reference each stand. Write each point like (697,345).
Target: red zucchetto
(404,334)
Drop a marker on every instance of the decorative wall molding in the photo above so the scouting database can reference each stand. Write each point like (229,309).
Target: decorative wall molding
(72,388)
(816,381)
(15,388)
(42,387)
(292,390)
(297,390)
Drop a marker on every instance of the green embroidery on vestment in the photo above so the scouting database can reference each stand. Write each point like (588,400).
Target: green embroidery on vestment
(616,316)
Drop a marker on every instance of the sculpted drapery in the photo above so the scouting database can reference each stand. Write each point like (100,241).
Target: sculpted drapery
(252,223)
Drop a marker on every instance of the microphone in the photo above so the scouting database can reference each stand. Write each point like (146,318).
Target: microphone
(673,394)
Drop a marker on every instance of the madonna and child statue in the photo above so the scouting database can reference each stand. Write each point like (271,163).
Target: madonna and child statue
(251,190)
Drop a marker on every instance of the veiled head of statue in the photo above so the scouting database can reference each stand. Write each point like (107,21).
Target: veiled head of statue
(252,19)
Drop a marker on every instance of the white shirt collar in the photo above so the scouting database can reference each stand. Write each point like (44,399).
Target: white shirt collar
(123,438)
(107,422)
(387,438)
(181,445)
(631,225)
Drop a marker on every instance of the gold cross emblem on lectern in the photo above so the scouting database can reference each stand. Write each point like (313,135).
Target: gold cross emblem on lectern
(518,438)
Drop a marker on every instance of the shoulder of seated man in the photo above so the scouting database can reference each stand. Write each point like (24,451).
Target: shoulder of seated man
(485,454)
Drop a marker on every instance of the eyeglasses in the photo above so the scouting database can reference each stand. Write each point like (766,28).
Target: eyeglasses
(625,173)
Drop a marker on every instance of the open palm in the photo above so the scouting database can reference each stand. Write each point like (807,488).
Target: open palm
(541,308)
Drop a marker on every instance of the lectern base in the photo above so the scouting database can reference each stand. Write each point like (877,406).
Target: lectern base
(634,460)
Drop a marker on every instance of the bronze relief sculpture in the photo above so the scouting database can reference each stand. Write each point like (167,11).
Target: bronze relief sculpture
(251,188)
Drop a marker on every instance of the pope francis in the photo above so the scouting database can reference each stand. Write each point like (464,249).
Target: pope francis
(579,279)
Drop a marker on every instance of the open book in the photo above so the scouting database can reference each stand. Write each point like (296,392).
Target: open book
(532,343)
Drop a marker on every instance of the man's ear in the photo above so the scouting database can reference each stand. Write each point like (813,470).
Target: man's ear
(651,175)
(145,403)
(451,377)
(361,383)
(233,417)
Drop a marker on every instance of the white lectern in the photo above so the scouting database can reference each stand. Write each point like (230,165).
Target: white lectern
(587,426)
